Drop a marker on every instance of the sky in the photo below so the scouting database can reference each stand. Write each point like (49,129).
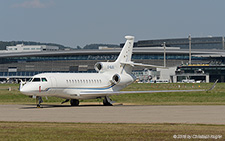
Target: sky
(81,22)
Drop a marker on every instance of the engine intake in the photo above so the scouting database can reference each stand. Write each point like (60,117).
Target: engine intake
(98,66)
(116,79)
(105,66)
(122,79)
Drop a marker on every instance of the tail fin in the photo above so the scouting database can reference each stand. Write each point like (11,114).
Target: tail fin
(126,52)
(125,56)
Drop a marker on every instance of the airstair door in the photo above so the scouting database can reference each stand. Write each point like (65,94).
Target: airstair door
(53,85)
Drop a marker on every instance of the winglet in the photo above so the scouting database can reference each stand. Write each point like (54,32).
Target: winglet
(213,86)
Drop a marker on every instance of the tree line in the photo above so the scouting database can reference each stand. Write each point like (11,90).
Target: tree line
(3,45)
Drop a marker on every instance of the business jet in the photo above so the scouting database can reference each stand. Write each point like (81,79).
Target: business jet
(110,78)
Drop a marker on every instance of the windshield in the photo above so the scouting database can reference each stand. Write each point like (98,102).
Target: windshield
(36,80)
(43,79)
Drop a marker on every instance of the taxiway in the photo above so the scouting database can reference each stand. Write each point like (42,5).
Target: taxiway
(114,114)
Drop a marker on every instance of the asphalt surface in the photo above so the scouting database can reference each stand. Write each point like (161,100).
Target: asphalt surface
(114,114)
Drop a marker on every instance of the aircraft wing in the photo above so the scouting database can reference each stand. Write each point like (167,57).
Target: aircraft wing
(108,93)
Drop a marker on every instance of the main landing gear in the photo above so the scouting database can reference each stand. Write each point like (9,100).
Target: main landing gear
(107,101)
(74,102)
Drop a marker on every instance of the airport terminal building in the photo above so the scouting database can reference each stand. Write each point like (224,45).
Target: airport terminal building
(183,43)
(208,55)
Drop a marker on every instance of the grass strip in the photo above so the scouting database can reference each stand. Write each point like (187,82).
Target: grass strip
(214,97)
(104,131)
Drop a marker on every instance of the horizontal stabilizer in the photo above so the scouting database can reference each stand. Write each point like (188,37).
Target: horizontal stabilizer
(140,64)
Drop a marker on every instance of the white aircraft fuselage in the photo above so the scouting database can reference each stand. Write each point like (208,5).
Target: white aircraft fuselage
(70,85)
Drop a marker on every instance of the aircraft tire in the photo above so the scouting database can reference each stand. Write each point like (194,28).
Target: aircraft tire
(74,102)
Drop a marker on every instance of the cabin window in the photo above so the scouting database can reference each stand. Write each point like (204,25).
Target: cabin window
(43,79)
(36,80)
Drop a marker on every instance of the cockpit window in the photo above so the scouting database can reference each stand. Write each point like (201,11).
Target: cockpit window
(43,79)
(36,80)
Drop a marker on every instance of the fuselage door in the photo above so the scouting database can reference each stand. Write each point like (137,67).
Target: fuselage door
(53,85)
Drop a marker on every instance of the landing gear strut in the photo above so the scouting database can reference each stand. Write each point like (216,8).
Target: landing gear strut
(107,101)
(67,100)
(39,101)
(74,102)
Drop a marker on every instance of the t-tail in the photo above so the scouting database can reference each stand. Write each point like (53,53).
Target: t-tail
(125,56)
(120,65)
(120,71)
(126,52)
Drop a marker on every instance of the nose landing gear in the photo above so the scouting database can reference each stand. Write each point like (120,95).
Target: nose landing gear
(39,101)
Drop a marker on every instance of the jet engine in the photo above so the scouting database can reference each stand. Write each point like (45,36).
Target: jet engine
(104,66)
(98,66)
(122,79)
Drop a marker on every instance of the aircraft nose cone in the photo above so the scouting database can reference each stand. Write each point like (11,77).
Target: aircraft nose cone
(24,90)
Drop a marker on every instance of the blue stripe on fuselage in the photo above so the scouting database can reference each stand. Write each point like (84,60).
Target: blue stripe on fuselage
(47,89)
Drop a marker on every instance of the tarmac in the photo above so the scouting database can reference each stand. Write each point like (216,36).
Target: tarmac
(114,114)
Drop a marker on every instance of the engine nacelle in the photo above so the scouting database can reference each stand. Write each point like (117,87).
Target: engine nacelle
(105,66)
(122,79)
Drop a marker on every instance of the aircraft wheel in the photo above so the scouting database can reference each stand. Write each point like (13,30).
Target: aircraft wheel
(74,102)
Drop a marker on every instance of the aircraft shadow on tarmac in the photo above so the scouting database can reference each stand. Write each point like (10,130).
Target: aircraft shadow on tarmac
(33,106)
(44,106)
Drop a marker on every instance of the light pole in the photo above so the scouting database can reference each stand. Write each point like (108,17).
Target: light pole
(223,42)
(189,38)
(164,46)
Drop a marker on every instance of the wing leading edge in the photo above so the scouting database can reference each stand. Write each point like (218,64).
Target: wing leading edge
(108,93)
